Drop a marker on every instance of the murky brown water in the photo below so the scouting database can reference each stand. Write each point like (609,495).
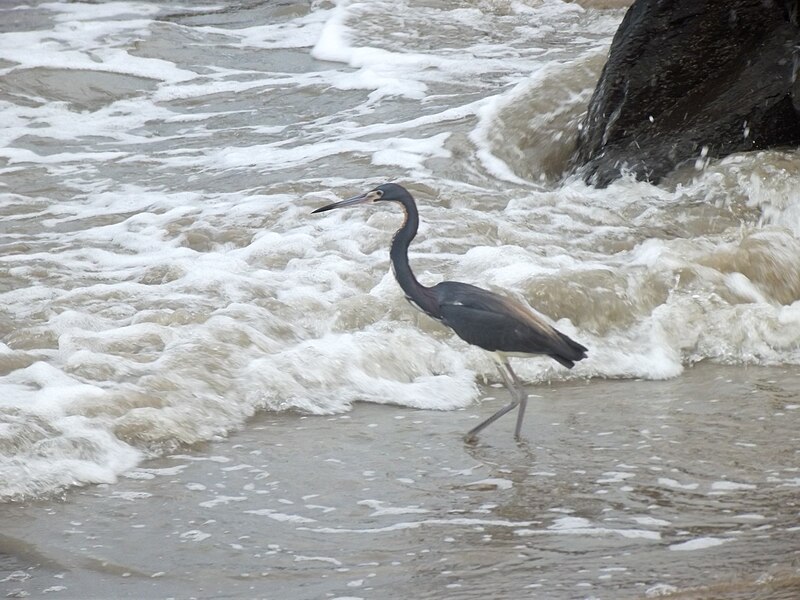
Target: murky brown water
(163,285)
(621,490)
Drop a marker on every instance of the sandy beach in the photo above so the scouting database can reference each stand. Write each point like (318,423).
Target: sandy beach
(622,489)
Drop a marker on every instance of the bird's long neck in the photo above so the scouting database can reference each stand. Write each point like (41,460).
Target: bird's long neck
(413,289)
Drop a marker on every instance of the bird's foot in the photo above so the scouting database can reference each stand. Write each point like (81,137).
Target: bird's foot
(522,443)
(471,439)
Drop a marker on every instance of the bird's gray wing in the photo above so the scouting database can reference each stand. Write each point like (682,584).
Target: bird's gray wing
(494,331)
(497,323)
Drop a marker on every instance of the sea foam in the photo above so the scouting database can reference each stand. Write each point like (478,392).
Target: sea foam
(163,279)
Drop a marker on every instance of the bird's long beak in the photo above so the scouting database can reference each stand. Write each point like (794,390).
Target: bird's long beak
(368,197)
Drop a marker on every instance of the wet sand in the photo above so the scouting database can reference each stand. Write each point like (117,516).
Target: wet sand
(623,489)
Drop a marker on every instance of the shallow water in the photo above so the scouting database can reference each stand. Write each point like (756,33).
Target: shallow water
(622,489)
(162,279)
(163,284)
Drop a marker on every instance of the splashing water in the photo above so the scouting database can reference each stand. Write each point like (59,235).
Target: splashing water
(162,280)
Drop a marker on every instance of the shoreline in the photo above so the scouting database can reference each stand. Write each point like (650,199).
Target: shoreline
(622,489)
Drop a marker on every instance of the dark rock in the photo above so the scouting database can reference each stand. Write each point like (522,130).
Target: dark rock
(687,79)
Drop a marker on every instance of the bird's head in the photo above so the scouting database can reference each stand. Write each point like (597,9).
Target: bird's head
(387,192)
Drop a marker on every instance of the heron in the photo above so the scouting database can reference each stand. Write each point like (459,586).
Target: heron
(501,325)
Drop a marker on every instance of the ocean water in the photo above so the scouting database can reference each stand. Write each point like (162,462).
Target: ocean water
(162,279)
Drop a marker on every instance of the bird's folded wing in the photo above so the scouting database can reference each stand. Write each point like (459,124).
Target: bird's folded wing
(495,331)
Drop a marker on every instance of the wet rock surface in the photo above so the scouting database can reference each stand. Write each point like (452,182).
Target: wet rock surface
(687,80)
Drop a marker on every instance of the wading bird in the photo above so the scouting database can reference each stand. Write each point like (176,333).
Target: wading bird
(495,323)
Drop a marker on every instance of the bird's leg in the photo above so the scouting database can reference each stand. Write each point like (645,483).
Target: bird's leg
(509,378)
(522,397)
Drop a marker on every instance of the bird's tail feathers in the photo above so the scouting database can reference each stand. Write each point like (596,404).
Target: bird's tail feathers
(572,354)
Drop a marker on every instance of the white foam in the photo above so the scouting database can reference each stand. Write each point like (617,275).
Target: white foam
(194,535)
(671,483)
(325,559)
(484,135)
(46,396)
(581,526)
(652,521)
(175,283)
(302,32)
(701,543)
(332,43)
(562,526)
(731,486)
(660,589)
(132,496)
(84,45)
(91,12)
(381,510)
(279,516)
(615,476)
(216,501)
